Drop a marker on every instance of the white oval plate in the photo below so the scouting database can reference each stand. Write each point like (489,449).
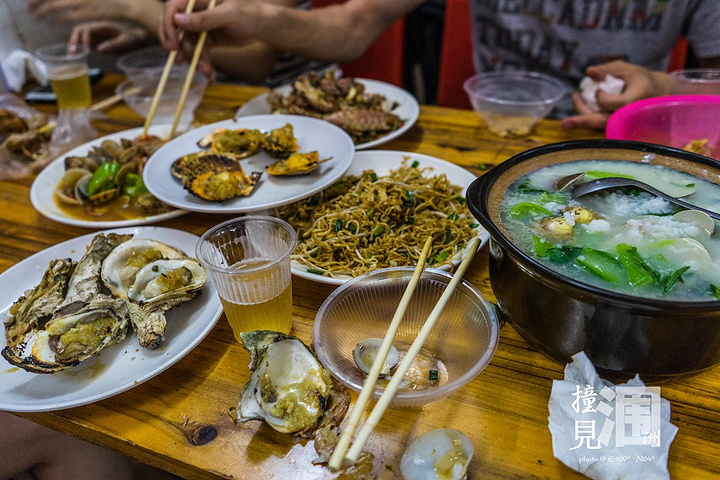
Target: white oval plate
(408,107)
(382,161)
(42,192)
(270,191)
(117,368)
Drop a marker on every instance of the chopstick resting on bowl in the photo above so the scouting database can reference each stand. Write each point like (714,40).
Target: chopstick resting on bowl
(407,360)
(164,77)
(346,437)
(190,74)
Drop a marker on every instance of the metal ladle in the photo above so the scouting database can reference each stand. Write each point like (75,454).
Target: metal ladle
(617,182)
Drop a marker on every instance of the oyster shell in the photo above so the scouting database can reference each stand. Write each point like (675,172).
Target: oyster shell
(84,284)
(69,339)
(32,310)
(123,262)
(288,388)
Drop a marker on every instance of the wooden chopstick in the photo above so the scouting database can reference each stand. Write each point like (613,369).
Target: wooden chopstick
(402,369)
(164,77)
(189,77)
(112,100)
(347,434)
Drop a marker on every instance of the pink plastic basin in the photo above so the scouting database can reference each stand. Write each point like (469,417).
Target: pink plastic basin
(673,121)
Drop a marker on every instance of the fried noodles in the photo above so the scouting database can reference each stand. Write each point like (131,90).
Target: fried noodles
(368,222)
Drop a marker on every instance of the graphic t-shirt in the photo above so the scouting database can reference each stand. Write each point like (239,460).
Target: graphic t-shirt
(564,37)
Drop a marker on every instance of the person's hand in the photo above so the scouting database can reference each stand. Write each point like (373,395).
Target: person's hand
(640,83)
(72,11)
(231,22)
(109,37)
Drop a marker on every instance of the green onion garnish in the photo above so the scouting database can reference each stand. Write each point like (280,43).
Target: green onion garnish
(316,272)
(442,256)
(410,201)
(433,375)
(448,235)
(415,164)
(453,216)
(410,221)
(378,230)
(351,227)
(338,225)
(474,225)
(460,200)
(373,177)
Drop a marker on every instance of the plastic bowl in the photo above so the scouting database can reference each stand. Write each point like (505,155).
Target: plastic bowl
(511,103)
(138,94)
(697,81)
(149,60)
(673,121)
(464,338)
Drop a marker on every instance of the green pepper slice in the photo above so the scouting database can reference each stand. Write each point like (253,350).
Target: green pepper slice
(103,178)
(134,185)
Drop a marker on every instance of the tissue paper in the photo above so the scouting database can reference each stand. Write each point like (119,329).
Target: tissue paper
(15,66)
(589,89)
(609,432)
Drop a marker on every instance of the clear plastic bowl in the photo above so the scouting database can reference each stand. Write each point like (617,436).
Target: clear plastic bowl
(512,102)
(138,92)
(464,338)
(699,81)
(674,121)
(149,60)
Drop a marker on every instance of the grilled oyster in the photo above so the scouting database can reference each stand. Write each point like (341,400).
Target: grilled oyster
(31,311)
(69,339)
(123,262)
(281,142)
(288,388)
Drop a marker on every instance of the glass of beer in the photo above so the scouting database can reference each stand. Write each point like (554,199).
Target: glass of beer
(249,262)
(67,67)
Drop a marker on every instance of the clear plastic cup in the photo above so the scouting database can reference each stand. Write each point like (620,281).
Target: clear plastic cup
(69,74)
(249,262)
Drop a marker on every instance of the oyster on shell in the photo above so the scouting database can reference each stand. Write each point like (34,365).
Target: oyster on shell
(69,339)
(123,262)
(32,310)
(288,388)
(440,454)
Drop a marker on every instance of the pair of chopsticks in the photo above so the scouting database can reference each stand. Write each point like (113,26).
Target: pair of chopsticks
(389,392)
(188,79)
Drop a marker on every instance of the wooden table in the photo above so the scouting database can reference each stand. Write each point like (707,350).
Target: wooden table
(503,411)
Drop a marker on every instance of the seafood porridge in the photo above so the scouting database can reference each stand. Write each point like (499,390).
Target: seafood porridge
(626,240)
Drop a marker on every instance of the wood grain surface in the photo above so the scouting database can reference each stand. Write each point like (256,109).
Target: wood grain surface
(170,420)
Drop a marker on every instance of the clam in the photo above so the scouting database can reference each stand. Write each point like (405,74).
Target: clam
(366,351)
(555,229)
(700,219)
(297,164)
(288,388)
(66,190)
(580,215)
(112,147)
(564,182)
(440,454)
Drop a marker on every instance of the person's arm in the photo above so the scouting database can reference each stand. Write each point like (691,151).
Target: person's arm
(337,33)
(143,12)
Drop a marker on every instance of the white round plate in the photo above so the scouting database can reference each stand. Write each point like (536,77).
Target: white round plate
(408,107)
(270,191)
(382,161)
(117,368)
(42,192)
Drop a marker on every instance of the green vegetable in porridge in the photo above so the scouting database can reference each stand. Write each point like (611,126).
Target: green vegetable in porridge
(625,240)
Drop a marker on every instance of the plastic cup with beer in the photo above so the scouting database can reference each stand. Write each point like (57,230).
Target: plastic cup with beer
(67,68)
(249,262)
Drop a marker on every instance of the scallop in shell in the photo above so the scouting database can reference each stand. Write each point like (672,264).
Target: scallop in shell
(288,388)
(440,454)
(123,263)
